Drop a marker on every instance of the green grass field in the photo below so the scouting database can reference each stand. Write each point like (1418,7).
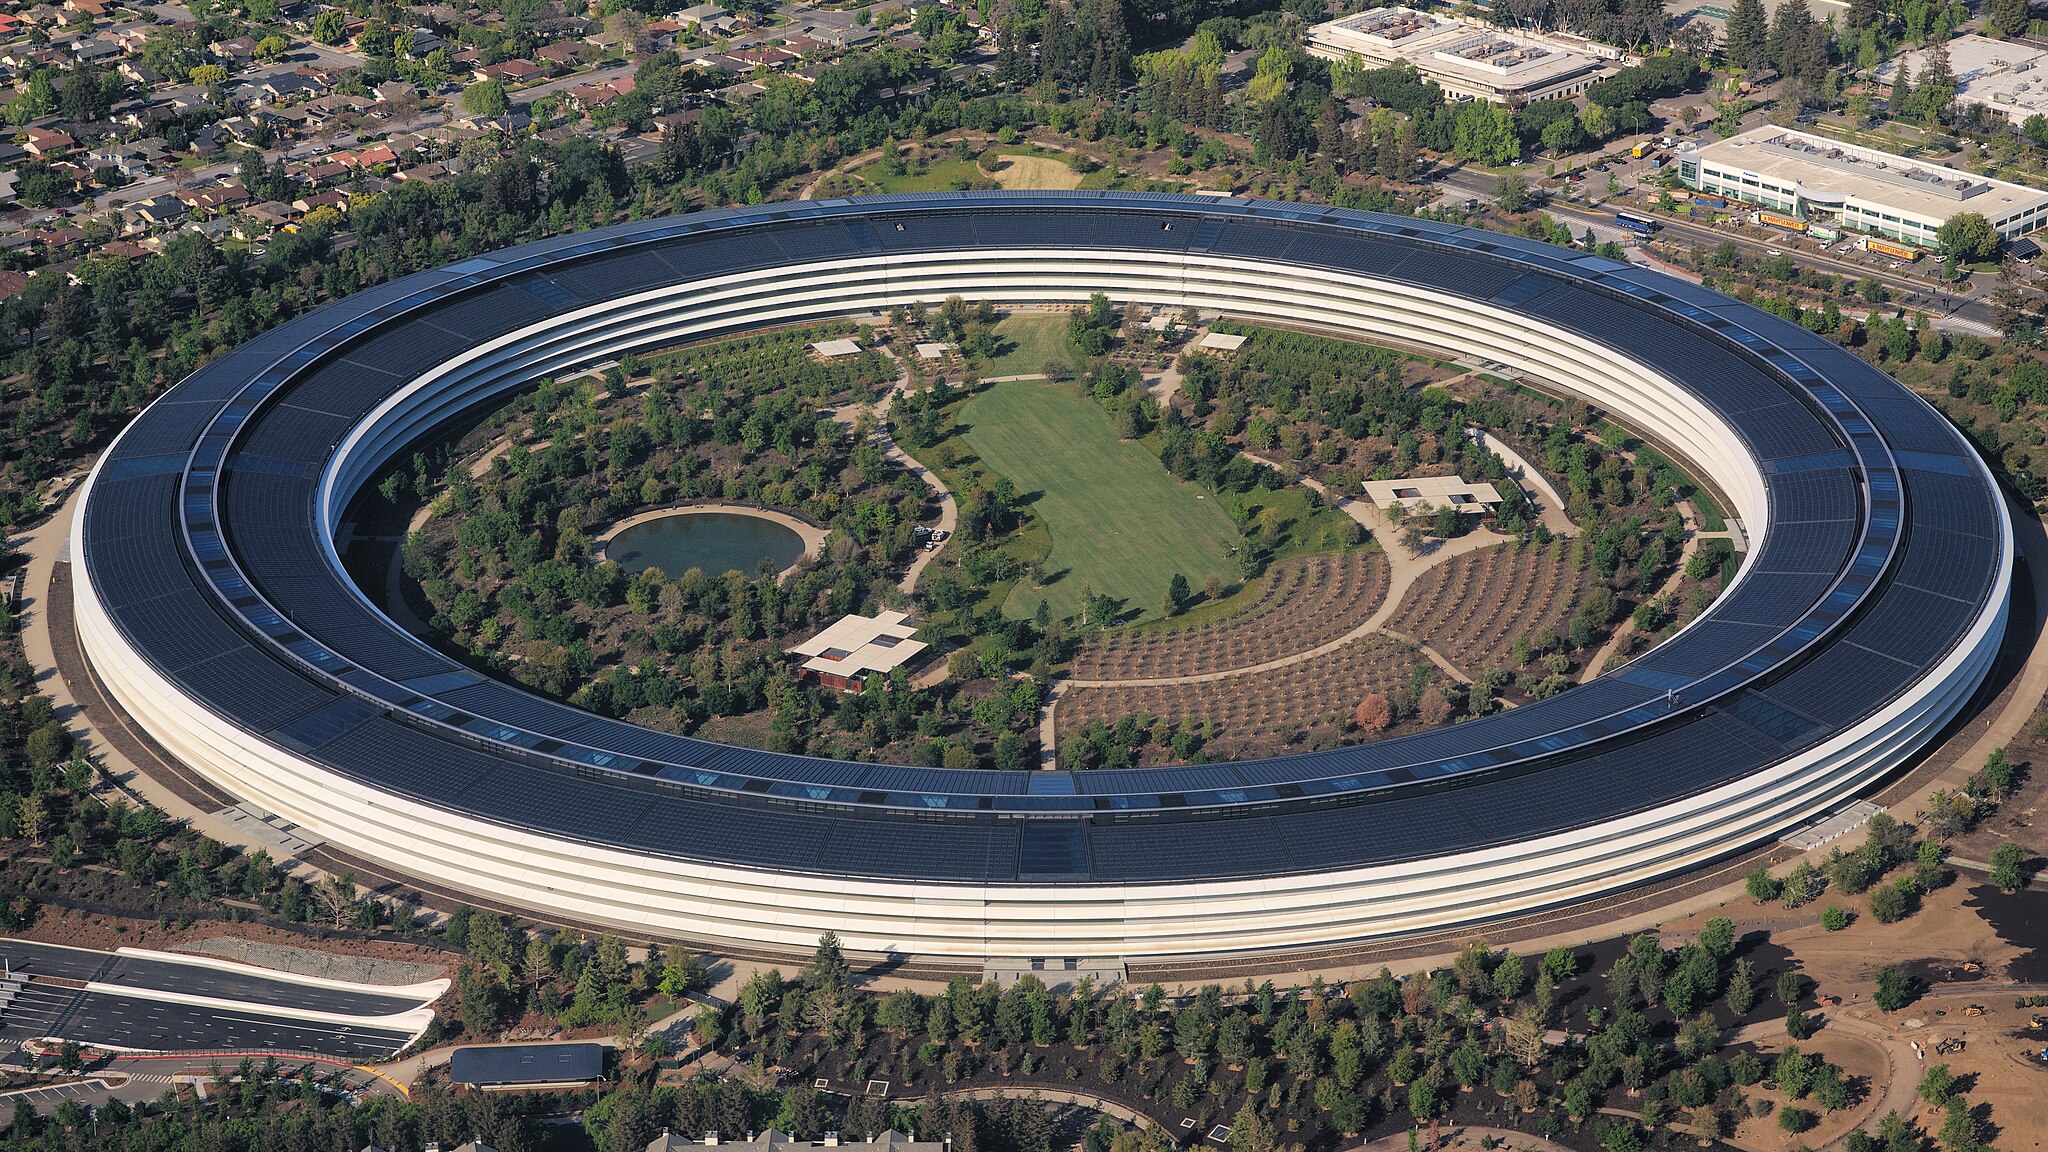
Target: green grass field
(1030,339)
(1120,523)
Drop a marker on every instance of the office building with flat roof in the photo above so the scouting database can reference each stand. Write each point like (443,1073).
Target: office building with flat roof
(1468,61)
(1813,178)
(2005,76)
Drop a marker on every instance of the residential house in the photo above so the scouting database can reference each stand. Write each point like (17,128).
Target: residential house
(560,55)
(512,72)
(394,92)
(371,157)
(43,143)
(424,41)
(139,74)
(709,19)
(423,173)
(215,199)
(132,161)
(325,172)
(307,205)
(588,96)
(97,49)
(239,50)
(160,210)
(11,282)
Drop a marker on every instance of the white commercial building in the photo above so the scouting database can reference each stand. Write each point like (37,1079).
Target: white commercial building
(2005,76)
(1469,61)
(1817,179)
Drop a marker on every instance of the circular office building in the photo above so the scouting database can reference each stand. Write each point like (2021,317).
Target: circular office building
(212,605)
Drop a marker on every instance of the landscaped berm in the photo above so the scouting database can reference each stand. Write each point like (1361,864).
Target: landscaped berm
(1121,525)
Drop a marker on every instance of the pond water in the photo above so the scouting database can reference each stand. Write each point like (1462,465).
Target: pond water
(717,542)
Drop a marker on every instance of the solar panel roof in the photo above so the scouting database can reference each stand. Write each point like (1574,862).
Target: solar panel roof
(1842,608)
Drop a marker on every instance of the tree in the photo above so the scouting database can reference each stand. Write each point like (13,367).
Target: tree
(1763,887)
(1564,134)
(209,75)
(486,98)
(1511,192)
(2009,17)
(1890,903)
(1834,918)
(1934,95)
(1747,27)
(1177,594)
(2008,867)
(1937,1084)
(828,970)
(1375,713)
(1967,238)
(30,818)
(1894,990)
(1510,976)
(330,26)
(84,96)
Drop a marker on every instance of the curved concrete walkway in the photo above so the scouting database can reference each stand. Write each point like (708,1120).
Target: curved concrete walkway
(949,508)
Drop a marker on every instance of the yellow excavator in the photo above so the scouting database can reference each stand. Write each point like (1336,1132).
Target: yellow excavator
(1973,1010)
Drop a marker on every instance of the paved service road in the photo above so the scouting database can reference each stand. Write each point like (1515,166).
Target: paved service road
(26,958)
(159,1026)
(252,988)
(35,1013)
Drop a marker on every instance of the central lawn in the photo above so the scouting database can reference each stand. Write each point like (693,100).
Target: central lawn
(1029,341)
(1120,524)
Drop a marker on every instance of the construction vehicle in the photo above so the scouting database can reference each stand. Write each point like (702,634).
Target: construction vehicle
(1948,1046)
(2038,1022)
(1973,1009)
(1972,966)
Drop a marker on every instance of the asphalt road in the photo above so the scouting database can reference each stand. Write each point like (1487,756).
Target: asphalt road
(132,1022)
(250,988)
(26,958)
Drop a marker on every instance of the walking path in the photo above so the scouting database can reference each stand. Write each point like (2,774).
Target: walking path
(1550,507)
(949,508)
(1597,662)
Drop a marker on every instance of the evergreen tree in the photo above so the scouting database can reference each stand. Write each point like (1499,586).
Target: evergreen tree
(1789,27)
(1934,98)
(2008,17)
(1747,28)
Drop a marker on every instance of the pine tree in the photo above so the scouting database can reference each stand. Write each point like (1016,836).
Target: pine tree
(1747,27)
(1788,34)
(2009,17)
(1329,132)
(1935,96)
(1112,46)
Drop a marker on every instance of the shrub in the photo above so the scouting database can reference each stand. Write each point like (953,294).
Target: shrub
(1835,918)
